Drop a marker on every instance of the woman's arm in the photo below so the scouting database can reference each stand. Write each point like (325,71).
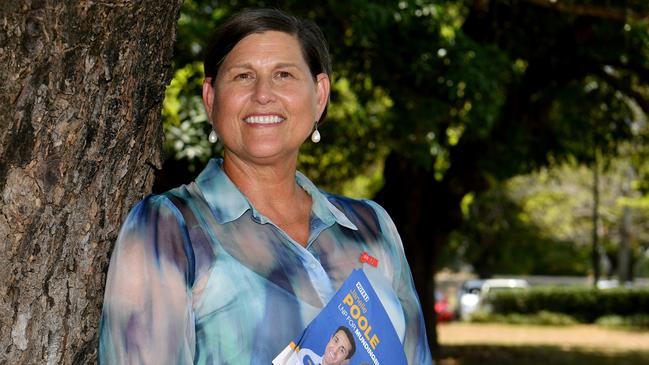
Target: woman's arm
(147,316)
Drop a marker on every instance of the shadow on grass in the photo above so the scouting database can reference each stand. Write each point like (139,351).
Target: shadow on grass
(535,355)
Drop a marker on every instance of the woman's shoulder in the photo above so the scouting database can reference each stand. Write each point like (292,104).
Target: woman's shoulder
(155,231)
(156,207)
(366,212)
(353,204)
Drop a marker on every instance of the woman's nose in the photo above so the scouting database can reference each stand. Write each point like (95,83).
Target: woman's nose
(263,92)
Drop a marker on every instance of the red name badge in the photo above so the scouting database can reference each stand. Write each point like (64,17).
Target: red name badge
(366,258)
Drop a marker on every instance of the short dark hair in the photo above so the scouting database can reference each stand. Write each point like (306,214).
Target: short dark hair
(251,21)
(351,340)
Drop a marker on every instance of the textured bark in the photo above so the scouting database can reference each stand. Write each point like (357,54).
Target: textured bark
(81,86)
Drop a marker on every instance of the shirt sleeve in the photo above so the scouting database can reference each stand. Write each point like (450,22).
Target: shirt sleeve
(415,343)
(147,315)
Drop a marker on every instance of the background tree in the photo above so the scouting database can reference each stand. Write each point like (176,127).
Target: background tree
(542,109)
(82,85)
(503,235)
(540,223)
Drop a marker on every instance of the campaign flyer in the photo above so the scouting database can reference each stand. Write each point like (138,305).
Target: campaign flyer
(352,329)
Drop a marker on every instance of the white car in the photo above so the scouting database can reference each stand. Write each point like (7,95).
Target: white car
(468,297)
(472,293)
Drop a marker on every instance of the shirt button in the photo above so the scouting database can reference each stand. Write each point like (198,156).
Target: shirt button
(313,265)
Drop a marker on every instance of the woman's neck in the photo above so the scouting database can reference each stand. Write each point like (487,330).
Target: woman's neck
(263,184)
(273,191)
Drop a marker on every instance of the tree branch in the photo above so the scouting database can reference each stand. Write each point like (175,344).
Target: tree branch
(639,98)
(604,12)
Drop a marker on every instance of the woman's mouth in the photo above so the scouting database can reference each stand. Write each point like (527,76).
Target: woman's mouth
(263,119)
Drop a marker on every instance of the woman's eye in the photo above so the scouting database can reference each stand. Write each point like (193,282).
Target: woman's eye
(244,76)
(283,74)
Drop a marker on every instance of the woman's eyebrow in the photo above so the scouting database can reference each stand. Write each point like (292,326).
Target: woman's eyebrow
(239,65)
(286,64)
(248,65)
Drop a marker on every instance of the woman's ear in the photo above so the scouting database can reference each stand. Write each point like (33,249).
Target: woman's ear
(208,96)
(323,87)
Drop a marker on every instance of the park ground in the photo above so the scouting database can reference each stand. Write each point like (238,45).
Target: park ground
(490,344)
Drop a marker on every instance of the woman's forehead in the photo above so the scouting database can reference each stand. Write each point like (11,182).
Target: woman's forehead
(271,45)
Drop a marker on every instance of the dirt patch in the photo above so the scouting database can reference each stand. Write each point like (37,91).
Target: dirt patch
(569,337)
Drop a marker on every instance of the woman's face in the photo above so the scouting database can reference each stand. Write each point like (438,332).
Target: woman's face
(265,101)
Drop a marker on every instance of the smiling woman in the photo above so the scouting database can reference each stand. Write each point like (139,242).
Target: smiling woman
(264,102)
(230,268)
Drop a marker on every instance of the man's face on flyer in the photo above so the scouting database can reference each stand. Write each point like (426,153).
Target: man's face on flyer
(337,349)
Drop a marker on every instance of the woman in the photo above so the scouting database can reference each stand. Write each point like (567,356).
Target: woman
(229,269)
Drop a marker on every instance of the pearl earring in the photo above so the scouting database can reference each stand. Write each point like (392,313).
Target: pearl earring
(315,136)
(213,137)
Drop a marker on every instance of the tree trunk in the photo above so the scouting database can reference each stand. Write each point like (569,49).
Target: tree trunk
(595,252)
(425,211)
(80,95)
(624,250)
(404,197)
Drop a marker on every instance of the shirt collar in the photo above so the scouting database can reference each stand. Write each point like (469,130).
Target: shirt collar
(228,203)
(321,206)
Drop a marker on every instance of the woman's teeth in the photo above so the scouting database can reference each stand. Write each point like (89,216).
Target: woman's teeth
(263,119)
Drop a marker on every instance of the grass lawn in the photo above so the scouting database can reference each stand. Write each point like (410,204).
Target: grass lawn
(536,355)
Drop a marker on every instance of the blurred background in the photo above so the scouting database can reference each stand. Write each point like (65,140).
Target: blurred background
(506,138)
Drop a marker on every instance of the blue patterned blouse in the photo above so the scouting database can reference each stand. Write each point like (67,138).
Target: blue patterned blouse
(199,276)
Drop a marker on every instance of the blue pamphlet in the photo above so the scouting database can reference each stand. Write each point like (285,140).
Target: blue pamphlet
(352,329)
